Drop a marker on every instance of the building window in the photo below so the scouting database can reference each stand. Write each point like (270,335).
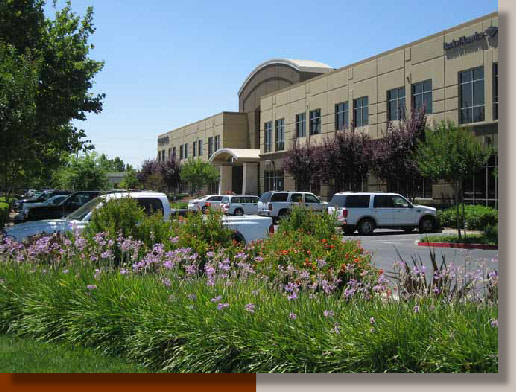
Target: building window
(268,136)
(315,122)
(482,188)
(274,181)
(186,150)
(396,104)
(194,149)
(280,134)
(301,125)
(181,152)
(471,95)
(422,96)
(341,116)
(210,147)
(200,148)
(217,143)
(495,91)
(361,111)
(174,152)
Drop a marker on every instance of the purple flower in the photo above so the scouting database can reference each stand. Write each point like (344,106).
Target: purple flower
(293,316)
(166,282)
(494,323)
(250,308)
(91,287)
(216,299)
(329,313)
(372,321)
(222,306)
(123,271)
(192,296)
(416,309)
(65,271)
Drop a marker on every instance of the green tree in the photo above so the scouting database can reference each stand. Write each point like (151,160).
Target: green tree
(453,154)
(130,181)
(84,173)
(47,77)
(198,173)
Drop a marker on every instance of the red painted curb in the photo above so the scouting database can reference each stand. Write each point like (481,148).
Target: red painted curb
(457,245)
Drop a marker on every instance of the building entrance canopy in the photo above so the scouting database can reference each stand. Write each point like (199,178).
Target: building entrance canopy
(238,170)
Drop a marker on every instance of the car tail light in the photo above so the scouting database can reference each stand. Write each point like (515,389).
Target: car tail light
(271,229)
(270,206)
(344,213)
(208,204)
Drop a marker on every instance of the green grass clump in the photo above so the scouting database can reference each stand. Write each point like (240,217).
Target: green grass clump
(25,355)
(243,325)
(482,239)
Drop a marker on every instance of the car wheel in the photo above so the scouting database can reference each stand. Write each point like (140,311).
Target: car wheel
(204,209)
(238,238)
(239,212)
(426,224)
(348,231)
(366,226)
(283,214)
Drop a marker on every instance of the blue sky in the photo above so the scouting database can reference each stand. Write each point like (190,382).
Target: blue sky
(171,63)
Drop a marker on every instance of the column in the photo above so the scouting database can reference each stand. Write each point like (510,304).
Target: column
(250,179)
(225,179)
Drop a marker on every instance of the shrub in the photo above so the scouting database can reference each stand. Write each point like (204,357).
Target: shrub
(491,233)
(115,216)
(316,224)
(477,217)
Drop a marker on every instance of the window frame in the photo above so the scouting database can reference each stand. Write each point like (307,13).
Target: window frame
(279,136)
(315,122)
(495,91)
(301,120)
(361,105)
(400,101)
(267,132)
(341,116)
(424,93)
(472,107)
(210,146)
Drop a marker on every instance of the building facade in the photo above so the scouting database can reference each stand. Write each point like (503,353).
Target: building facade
(453,74)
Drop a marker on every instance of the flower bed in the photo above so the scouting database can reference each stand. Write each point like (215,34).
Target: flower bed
(297,302)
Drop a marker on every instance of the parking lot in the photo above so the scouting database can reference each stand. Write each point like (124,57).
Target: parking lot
(385,245)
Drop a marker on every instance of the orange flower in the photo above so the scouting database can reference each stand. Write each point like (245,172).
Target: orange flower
(284,252)
(381,271)
(357,260)
(332,246)
(323,240)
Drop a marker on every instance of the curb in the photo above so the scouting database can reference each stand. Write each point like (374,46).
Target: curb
(457,245)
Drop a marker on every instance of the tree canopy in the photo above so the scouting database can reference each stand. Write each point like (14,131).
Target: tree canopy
(198,173)
(83,173)
(46,81)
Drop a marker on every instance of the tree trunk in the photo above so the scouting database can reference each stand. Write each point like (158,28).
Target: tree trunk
(456,196)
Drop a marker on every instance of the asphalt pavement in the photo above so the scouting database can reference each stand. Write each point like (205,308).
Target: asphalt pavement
(385,245)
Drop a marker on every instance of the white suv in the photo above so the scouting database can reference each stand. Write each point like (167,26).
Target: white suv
(366,211)
(279,204)
(239,205)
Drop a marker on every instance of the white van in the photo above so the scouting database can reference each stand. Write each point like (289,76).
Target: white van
(239,205)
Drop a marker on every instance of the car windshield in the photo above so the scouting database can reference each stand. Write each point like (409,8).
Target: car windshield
(81,212)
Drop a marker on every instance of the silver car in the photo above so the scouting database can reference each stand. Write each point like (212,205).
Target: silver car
(239,205)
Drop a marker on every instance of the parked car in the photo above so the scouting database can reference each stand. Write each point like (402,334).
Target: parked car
(366,211)
(239,205)
(39,197)
(72,203)
(26,207)
(203,203)
(246,228)
(279,204)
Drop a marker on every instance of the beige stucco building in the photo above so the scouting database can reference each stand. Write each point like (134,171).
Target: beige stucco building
(454,74)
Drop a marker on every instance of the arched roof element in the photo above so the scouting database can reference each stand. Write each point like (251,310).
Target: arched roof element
(298,65)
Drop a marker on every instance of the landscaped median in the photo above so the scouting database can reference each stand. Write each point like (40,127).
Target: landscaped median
(301,301)
(470,241)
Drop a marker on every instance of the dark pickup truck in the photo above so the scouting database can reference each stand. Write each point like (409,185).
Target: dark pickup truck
(69,205)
